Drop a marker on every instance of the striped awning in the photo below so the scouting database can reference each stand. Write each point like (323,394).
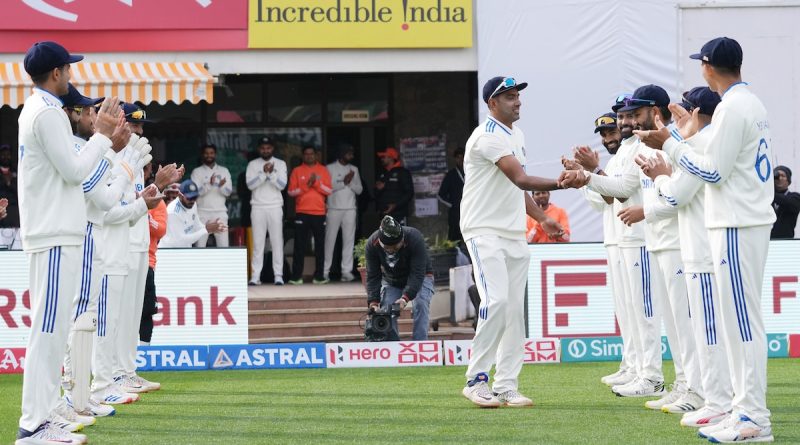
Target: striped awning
(130,81)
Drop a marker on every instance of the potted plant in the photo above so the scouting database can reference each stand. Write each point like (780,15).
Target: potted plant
(443,254)
(359,251)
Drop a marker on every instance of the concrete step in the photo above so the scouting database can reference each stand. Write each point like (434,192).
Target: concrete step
(455,334)
(334,301)
(310,315)
(313,329)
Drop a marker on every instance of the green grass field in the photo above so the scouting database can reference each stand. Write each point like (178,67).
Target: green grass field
(396,405)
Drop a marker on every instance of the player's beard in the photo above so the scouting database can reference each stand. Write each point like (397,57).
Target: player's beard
(626,131)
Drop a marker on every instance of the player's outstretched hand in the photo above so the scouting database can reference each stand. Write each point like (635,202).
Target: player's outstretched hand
(572,179)
(688,123)
(653,167)
(631,215)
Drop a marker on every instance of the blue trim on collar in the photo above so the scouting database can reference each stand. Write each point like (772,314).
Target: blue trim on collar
(47,93)
(733,85)
(503,127)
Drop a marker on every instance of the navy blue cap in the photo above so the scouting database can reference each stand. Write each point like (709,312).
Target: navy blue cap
(74,98)
(620,101)
(189,189)
(646,96)
(266,140)
(703,98)
(721,51)
(606,121)
(133,113)
(493,86)
(46,56)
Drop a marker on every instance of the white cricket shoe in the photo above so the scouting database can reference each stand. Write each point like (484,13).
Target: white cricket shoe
(640,387)
(727,422)
(129,384)
(744,430)
(513,398)
(687,403)
(48,434)
(113,395)
(613,376)
(622,379)
(93,408)
(703,417)
(675,393)
(477,391)
(146,384)
(59,421)
(69,414)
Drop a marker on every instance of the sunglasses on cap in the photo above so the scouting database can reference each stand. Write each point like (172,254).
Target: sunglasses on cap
(638,102)
(78,110)
(605,120)
(622,98)
(508,82)
(138,114)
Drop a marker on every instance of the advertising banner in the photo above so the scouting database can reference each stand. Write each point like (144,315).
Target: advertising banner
(569,290)
(360,24)
(542,350)
(268,356)
(172,358)
(384,354)
(202,297)
(12,360)
(600,349)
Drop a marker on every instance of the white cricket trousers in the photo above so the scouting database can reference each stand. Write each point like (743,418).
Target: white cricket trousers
(88,292)
(53,279)
(267,220)
(131,314)
(619,287)
(739,256)
(704,302)
(220,238)
(500,267)
(346,220)
(105,353)
(677,320)
(645,311)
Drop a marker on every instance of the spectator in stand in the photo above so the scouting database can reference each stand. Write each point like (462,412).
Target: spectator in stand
(450,195)
(785,203)
(342,210)
(157,219)
(214,182)
(8,188)
(393,188)
(534,232)
(183,225)
(309,184)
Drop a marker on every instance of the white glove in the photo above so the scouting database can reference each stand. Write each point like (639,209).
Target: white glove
(133,157)
(143,148)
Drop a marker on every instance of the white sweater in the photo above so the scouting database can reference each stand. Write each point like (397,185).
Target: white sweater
(266,187)
(51,170)
(212,196)
(735,164)
(102,190)
(344,195)
(184,227)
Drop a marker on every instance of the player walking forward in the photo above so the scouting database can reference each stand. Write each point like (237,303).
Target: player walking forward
(493,211)
(736,168)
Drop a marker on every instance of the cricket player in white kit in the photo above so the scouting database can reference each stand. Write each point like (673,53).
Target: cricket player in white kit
(215,185)
(341,205)
(53,220)
(737,170)
(686,192)
(493,223)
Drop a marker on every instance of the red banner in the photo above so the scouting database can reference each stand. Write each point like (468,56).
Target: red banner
(125,25)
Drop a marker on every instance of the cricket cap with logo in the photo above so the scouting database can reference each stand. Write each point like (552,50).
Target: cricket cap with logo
(134,113)
(266,140)
(722,51)
(46,56)
(646,96)
(74,98)
(701,97)
(605,122)
(499,85)
(189,189)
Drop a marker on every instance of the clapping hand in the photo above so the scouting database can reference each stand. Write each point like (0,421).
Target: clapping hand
(570,164)
(572,179)
(552,228)
(586,157)
(653,167)
(631,215)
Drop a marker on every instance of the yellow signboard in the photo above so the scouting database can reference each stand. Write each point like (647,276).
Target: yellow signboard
(360,24)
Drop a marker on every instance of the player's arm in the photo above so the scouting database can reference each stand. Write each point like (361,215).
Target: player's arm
(226,188)
(337,185)
(124,212)
(511,167)
(563,219)
(296,186)
(716,162)
(323,184)
(355,184)
(57,143)
(679,189)
(623,186)
(255,176)
(197,178)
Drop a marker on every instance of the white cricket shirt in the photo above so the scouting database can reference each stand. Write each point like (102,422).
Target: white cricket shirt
(212,197)
(184,227)
(344,195)
(266,188)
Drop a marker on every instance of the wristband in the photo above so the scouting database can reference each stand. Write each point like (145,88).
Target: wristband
(405,297)
(597,170)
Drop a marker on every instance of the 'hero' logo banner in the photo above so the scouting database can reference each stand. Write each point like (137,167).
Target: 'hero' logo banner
(541,350)
(371,355)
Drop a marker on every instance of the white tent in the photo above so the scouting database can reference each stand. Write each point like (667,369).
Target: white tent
(578,55)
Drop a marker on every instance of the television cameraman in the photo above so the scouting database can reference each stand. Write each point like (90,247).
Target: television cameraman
(399,270)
